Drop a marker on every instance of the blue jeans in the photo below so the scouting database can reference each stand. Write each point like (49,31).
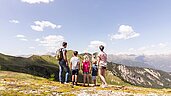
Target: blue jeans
(63,67)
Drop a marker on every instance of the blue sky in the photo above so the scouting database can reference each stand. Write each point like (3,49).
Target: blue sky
(123,26)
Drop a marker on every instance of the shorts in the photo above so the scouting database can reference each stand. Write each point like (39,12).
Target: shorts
(94,73)
(93,77)
(103,64)
(75,72)
(103,67)
(86,73)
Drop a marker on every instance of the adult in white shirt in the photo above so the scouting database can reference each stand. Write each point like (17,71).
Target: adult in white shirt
(102,63)
(75,66)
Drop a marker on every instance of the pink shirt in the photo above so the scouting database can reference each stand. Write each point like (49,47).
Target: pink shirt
(86,66)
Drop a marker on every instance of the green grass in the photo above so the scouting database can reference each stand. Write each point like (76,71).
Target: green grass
(20,84)
(47,66)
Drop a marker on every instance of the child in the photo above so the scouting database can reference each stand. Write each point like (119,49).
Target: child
(94,69)
(86,69)
(75,66)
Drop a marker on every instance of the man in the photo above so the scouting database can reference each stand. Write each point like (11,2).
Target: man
(63,64)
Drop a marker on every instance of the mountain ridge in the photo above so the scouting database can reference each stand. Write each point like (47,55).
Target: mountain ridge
(161,62)
(46,66)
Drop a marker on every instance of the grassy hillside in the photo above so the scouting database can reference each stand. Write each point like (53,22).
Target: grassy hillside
(19,84)
(45,66)
(117,74)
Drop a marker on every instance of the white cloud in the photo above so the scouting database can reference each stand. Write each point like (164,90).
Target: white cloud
(20,36)
(31,47)
(37,39)
(59,26)
(131,49)
(23,39)
(40,25)
(161,48)
(163,45)
(96,44)
(125,32)
(37,1)
(52,42)
(14,21)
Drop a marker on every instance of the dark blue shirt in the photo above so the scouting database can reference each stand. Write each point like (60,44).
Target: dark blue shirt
(94,70)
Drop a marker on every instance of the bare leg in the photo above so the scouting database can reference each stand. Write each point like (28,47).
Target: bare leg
(88,79)
(76,79)
(84,79)
(101,76)
(95,81)
(73,79)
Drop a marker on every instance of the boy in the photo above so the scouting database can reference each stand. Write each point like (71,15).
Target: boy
(75,66)
(94,69)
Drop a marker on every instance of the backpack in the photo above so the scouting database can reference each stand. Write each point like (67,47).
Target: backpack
(59,54)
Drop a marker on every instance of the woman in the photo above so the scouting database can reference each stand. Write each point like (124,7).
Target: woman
(102,63)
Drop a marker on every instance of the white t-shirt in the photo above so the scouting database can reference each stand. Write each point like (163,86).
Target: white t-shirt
(64,50)
(103,58)
(74,61)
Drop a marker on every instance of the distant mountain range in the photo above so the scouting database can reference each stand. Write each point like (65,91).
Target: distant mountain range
(160,62)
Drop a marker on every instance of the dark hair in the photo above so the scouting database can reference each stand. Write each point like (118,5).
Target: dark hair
(75,53)
(101,47)
(64,43)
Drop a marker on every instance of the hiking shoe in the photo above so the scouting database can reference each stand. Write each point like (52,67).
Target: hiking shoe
(104,86)
(66,83)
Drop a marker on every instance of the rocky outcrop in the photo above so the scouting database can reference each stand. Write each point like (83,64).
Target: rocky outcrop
(145,77)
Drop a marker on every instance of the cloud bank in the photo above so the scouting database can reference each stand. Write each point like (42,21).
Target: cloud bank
(124,32)
(41,25)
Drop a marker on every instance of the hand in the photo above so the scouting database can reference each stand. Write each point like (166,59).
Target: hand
(66,63)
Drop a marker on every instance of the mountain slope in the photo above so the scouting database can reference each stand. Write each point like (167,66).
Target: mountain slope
(19,84)
(145,77)
(35,65)
(46,66)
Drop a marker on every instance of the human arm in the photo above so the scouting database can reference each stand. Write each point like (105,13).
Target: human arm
(90,67)
(78,65)
(82,66)
(65,57)
(98,60)
(70,65)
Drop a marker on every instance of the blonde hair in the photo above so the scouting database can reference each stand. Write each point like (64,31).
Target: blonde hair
(86,58)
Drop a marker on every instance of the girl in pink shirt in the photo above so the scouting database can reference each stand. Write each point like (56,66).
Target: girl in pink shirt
(86,69)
